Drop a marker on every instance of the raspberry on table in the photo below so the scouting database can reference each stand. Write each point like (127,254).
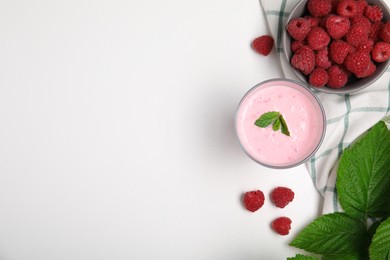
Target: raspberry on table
(318,38)
(357,62)
(282,196)
(381,52)
(304,60)
(361,7)
(322,59)
(253,200)
(319,8)
(298,28)
(339,50)
(347,8)
(370,70)
(338,77)
(263,44)
(373,13)
(337,26)
(357,35)
(282,225)
(385,32)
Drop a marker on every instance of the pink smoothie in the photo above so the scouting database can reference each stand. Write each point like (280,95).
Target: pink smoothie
(302,113)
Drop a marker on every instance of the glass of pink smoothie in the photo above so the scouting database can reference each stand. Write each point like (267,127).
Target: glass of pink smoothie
(302,113)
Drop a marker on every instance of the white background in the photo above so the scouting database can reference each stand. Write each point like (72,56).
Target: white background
(116,133)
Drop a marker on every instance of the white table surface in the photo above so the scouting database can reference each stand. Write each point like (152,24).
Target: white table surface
(116,134)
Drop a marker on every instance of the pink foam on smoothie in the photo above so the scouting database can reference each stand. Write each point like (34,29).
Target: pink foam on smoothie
(303,117)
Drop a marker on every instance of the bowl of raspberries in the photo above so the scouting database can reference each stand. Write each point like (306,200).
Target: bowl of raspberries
(338,46)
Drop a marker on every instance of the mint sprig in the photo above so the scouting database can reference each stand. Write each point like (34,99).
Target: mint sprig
(275,119)
(363,185)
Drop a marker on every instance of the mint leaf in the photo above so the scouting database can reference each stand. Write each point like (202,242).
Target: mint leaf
(267,118)
(284,126)
(276,125)
(333,234)
(344,257)
(380,246)
(302,257)
(363,176)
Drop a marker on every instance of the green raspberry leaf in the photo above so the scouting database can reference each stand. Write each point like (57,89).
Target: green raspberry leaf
(302,257)
(380,246)
(363,176)
(276,125)
(284,126)
(335,234)
(267,118)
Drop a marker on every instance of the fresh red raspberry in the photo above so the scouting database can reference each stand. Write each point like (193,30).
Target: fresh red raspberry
(357,35)
(281,196)
(282,225)
(296,45)
(319,8)
(385,32)
(361,7)
(347,8)
(304,60)
(357,62)
(337,26)
(381,52)
(322,59)
(318,38)
(253,200)
(338,77)
(370,70)
(298,28)
(362,21)
(339,50)
(314,21)
(373,13)
(367,46)
(318,78)
(376,28)
(263,44)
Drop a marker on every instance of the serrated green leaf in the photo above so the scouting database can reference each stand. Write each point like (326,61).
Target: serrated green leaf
(276,125)
(380,246)
(267,118)
(363,176)
(344,257)
(284,126)
(333,234)
(302,257)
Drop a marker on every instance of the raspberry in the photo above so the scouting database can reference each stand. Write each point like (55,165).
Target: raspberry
(337,26)
(339,50)
(318,38)
(281,196)
(347,8)
(373,13)
(298,28)
(370,70)
(376,28)
(385,32)
(304,60)
(253,200)
(338,77)
(357,35)
(381,52)
(263,44)
(361,7)
(296,45)
(282,225)
(319,8)
(357,62)
(322,59)
(318,78)
(367,46)
(314,21)
(361,20)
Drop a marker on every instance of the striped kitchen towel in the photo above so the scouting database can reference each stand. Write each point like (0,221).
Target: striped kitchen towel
(348,116)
